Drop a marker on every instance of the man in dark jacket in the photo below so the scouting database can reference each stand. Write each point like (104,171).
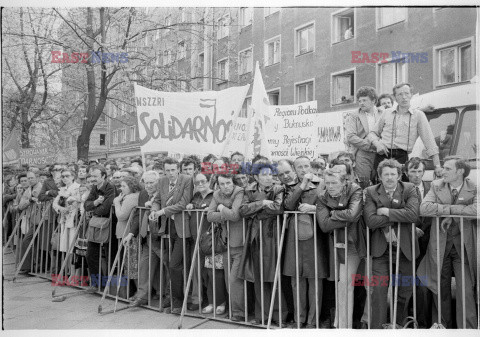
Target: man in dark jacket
(140,227)
(386,205)
(50,189)
(302,199)
(99,202)
(261,205)
(340,206)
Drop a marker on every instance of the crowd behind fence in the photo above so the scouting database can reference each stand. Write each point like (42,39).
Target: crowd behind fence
(35,241)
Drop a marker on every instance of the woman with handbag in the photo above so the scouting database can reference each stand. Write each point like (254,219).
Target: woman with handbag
(262,202)
(67,203)
(124,204)
(202,197)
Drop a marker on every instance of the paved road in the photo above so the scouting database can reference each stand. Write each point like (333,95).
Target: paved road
(27,304)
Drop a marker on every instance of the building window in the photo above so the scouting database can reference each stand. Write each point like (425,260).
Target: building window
(304,92)
(270,10)
(123,110)
(343,25)
(245,61)
(305,39)
(222,70)
(133,135)
(102,139)
(274,97)
(115,137)
(102,117)
(123,136)
(387,16)
(454,63)
(223,27)
(182,50)
(246,105)
(389,74)
(343,88)
(246,16)
(168,20)
(272,51)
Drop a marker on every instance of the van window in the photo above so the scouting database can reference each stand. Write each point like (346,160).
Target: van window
(443,127)
(467,141)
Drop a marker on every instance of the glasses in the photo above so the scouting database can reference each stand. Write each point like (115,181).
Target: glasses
(199,182)
(57,169)
(66,175)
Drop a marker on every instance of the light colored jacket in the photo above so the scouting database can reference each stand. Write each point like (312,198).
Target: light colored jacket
(438,202)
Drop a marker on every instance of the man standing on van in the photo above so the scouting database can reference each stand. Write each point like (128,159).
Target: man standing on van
(357,127)
(396,131)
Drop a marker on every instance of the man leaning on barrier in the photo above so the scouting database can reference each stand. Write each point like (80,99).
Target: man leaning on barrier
(262,202)
(29,197)
(340,205)
(99,202)
(387,204)
(140,227)
(455,194)
(174,192)
(302,198)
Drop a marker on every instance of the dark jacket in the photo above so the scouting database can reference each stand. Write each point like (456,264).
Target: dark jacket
(103,209)
(50,187)
(338,213)
(307,250)
(404,209)
(199,203)
(255,213)
(136,222)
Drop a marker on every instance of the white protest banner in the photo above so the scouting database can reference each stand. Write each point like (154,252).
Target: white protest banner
(302,130)
(186,122)
(292,130)
(331,132)
(37,156)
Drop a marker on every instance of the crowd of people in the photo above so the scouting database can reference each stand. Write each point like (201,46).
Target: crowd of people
(373,188)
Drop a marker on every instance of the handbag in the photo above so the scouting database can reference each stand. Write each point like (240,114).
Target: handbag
(220,245)
(98,230)
(80,248)
(305,227)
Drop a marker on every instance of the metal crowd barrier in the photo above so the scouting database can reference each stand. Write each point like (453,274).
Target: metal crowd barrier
(49,262)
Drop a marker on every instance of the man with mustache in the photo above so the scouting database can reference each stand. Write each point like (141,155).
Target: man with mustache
(387,204)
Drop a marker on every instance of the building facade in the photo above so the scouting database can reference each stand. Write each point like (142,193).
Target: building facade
(305,54)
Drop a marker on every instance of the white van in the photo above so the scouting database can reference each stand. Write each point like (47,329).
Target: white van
(454,123)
